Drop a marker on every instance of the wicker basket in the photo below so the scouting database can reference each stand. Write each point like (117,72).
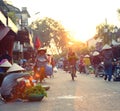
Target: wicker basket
(35,97)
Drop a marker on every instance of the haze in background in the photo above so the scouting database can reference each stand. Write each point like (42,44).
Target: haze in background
(79,17)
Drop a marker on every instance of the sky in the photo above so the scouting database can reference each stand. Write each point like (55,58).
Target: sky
(79,17)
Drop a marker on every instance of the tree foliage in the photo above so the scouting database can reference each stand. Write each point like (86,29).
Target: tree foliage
(118,12)
(12,16)
(47,29)
(104,32)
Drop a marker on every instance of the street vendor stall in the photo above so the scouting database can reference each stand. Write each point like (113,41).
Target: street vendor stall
(116,49)
(6,42)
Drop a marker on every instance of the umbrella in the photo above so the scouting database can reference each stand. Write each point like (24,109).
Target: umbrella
(10,81)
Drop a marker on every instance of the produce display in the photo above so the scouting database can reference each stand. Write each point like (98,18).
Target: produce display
(35,90)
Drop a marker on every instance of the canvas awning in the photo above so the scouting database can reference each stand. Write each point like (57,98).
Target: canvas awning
(6,40)
(3,32)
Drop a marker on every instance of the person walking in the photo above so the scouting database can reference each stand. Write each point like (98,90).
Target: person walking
(107,59)
(87,62)
(81,65)
(96,61)
(40,64)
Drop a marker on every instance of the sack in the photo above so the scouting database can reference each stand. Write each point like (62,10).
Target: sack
(48,70)
(55,69)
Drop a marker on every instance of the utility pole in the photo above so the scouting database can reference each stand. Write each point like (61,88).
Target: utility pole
(106,21)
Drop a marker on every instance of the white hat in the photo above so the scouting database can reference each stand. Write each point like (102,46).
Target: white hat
(86,56)
(114,43)
(42,49)
(96,53)
(6,64)
(15,67)
(106,46)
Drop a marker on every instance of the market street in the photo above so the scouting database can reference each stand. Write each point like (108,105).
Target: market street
(86,93)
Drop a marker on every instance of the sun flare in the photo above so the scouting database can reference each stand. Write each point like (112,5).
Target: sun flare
(80,16)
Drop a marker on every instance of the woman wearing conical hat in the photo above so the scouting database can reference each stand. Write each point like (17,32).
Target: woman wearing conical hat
(86,60)
(15,68)
(96,61)
(107,59)
(4,66)
(40,64)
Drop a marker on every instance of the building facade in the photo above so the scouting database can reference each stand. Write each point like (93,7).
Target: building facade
(23,38)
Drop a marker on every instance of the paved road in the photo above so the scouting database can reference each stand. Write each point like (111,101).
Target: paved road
(86,93)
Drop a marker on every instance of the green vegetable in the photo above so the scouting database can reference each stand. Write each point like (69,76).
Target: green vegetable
(35,90)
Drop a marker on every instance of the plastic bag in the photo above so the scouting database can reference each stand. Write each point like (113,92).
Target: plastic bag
(48,70)
(55,69)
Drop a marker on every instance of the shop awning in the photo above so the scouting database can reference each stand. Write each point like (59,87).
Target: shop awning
(6,40)
(3,32)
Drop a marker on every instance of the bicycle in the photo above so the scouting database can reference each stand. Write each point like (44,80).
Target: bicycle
(72,71)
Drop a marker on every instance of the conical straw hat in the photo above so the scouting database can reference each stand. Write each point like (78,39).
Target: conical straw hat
(114,43)
(42,49)
(6,63)
(86,56)
(96,53)
(106,46)
(15,67)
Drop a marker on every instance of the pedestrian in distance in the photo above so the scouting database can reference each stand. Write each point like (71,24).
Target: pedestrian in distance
(96,61)
(40,64)
(72,59)
(87,62)
(108,60)
(81,65)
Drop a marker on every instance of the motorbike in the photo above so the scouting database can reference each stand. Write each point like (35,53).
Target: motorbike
(100,70)
(81,68)
(116,72)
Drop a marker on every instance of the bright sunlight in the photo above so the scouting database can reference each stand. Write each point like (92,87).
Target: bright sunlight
(80,17)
